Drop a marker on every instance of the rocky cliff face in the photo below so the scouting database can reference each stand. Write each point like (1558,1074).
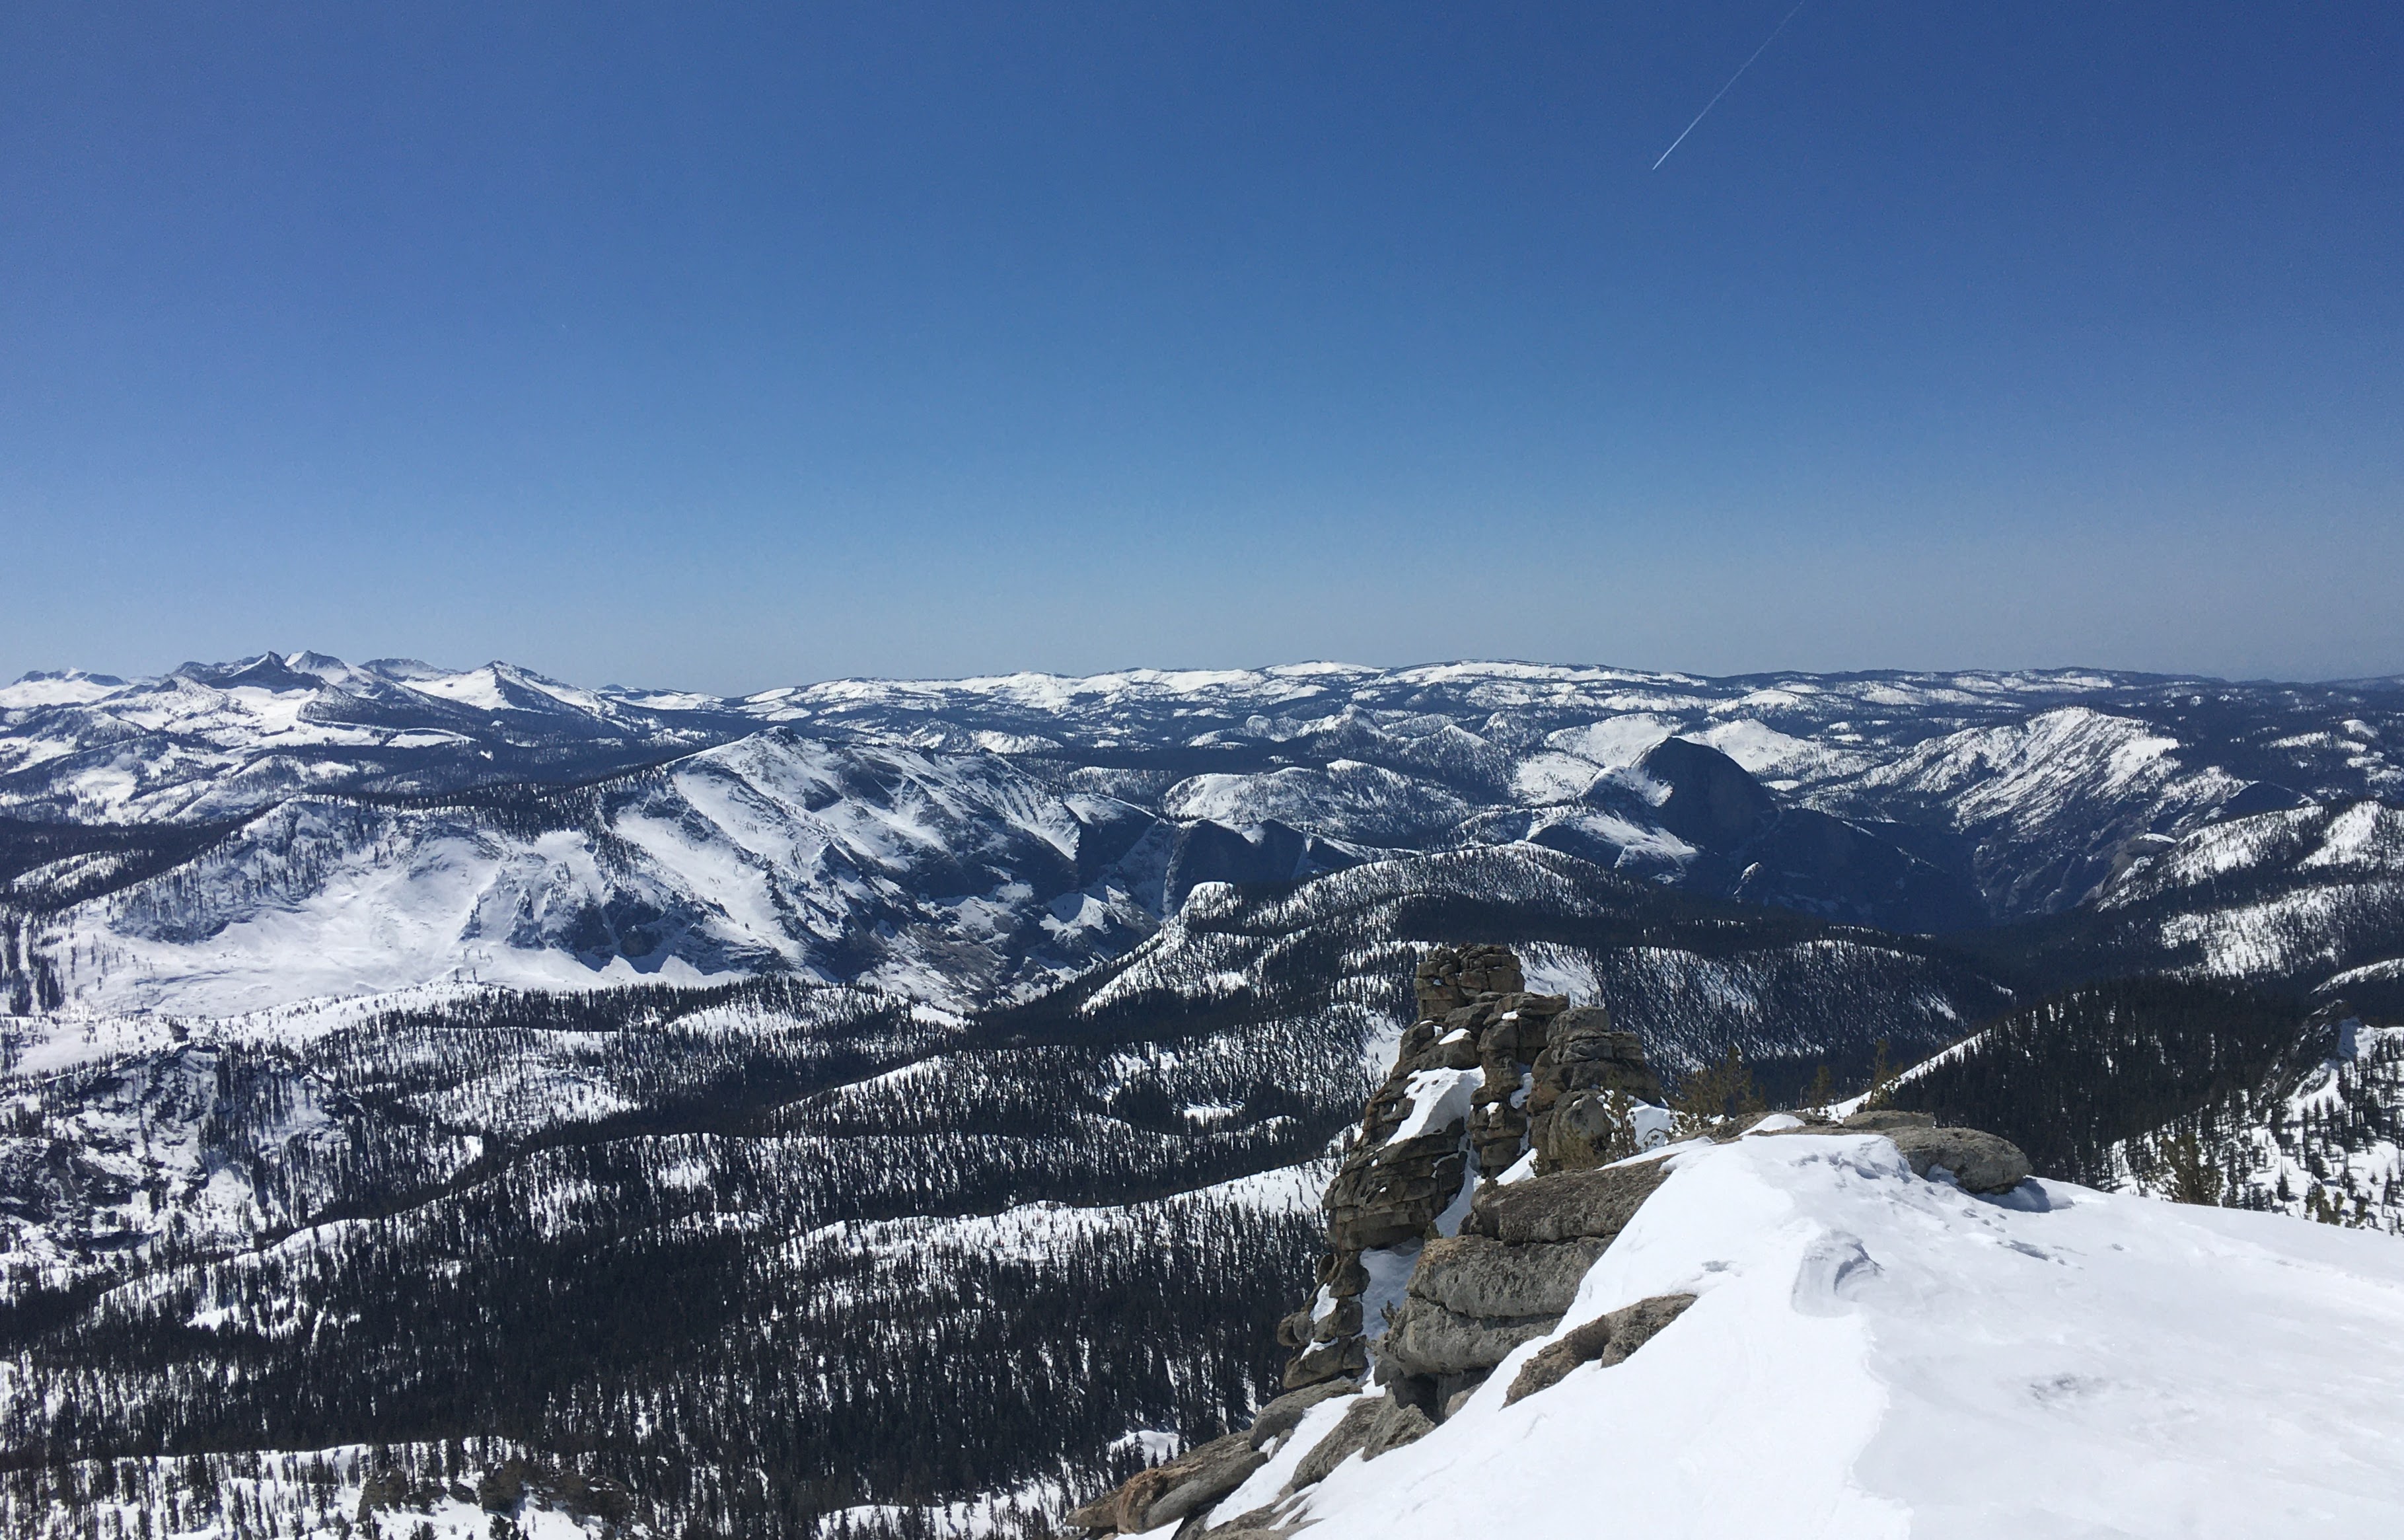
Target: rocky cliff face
(1489,1173)
(1490,1079)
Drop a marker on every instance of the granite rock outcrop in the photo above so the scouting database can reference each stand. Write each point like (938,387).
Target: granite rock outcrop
(1489,1172)
(1488,1075)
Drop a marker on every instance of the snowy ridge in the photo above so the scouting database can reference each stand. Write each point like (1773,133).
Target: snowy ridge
(1875,1354)
(769,854)
(2322,1139)
(233,836)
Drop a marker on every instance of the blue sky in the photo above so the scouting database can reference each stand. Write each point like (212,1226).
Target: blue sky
(720,346)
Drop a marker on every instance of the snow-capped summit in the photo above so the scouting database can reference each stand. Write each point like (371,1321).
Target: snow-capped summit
(1548,1305)
(57,687)
(1871,1352)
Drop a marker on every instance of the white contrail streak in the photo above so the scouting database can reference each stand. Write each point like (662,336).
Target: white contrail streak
(1731,81)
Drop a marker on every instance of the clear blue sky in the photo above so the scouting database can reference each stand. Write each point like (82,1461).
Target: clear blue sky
(720,346)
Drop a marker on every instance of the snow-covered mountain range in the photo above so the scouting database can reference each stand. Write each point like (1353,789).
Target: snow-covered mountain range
(468,1089)
(233,837)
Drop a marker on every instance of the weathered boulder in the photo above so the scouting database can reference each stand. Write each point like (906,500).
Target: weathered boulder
(1340,1359)
(1881,1119)
(1578,1023)
(1600,1074)
(1390,1193)
(1607,1339)
(1555,1359)
(1476,1276)
(1979,1162)
(1449,977)
(1573,1042)
(1581,1089)
(1427,1340)
(1342,1442)
(1585,1129)
(1397,1423)
(1371,1229)
(1279,1417)
(1565,1206)
(1168,1493)
(1455,1050)
(1340,1317)
(1101,1514)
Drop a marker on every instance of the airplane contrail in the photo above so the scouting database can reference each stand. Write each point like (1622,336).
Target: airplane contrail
(1731,81)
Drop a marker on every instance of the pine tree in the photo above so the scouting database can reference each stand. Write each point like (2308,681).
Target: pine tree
(1708,1097)
(1883,1078)
(2194,1179)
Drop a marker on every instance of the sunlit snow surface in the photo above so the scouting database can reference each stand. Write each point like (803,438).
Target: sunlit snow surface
(956,838)
(1877,1355)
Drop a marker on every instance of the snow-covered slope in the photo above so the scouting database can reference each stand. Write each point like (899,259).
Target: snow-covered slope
(2027,784)
(219,740)
(2320,1137)
(2312,889)
(1875,1354)
(958,877)
(1788,993)
(235,835)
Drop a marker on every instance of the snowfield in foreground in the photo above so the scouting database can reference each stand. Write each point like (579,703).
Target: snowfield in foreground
(1873,1354)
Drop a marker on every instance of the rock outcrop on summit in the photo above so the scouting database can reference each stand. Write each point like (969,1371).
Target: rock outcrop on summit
(1490,1076)
(1507,1150)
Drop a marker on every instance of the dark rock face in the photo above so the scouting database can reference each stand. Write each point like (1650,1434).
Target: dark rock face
(1811,862)
(1426,1341)
(1607,1340)
(1342,1442)
(1397,1423)
(1266,852)
(1472,1275)
(1569,1206)
(1713,801)
(1750,849)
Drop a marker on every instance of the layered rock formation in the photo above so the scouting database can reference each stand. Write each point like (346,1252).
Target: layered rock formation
(1487,1076)
(1489,1175)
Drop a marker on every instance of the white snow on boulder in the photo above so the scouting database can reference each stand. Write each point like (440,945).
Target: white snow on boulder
(1439,1099)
